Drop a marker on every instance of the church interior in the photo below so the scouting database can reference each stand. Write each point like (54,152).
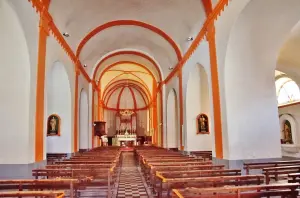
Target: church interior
(160,98)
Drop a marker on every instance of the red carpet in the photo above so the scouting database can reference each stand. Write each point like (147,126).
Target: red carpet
(127,149)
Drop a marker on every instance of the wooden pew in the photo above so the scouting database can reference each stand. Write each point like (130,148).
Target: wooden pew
(166,184)
(45,194)
(294,178)
(261,165)
(149,168)
(277,190)
(275,172)
(54,157)
(44,184)
(203,154)
(191,174)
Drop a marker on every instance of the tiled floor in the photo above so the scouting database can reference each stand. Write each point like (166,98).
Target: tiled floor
(131,183)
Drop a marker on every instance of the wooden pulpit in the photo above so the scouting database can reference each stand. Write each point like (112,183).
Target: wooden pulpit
(99,128)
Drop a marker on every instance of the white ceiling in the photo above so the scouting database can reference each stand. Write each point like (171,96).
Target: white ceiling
(163,39)
(177,18)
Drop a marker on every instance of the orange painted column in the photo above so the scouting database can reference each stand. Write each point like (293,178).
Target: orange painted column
(154,116)
(215,91)
(161,118)
(100,106)
(40,89)
(180,106)
(76,108)
(93,118)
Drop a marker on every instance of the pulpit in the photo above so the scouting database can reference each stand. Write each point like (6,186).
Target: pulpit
(99,130)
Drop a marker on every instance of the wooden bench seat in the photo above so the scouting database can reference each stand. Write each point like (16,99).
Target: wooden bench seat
(192,174)
(82,162)
(294,178)
(166,184)
(80,166)
(199,173)
(44,184)
(261,165)
(276,172)
(45,194)
(150,176)
(280,190)
(204,154)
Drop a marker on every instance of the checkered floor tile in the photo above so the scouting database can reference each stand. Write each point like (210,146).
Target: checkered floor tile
(131,184)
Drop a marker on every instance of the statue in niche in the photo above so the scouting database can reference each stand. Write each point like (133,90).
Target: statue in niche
(202,124)
(287,133)
(53,125)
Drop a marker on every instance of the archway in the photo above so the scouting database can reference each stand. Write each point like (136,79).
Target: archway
(15,89)
(59,103)
(250,100)
(83,121)
(172,121)
(198,102)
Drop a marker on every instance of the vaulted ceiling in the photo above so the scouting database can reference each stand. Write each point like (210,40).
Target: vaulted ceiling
(133,40)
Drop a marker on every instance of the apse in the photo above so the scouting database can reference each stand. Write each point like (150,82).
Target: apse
(15,90)
(59,104)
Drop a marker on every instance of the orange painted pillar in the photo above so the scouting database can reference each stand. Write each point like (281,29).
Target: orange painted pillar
(215,91)
(154,116)
(100,107)
(180,107)
(76,108)
(161,118)
(40,88)
(93,118)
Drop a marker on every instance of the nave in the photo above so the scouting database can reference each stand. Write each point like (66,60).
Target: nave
(148,171)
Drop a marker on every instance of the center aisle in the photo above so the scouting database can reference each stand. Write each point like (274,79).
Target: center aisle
(131,183)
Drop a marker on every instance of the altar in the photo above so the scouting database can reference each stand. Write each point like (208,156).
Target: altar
(125,140)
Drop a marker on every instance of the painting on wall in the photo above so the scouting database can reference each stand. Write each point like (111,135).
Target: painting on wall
(287,133)
(53,125)
(202,124)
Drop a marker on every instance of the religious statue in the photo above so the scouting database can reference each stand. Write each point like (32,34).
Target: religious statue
(287,133)
(202,124)
(53,125)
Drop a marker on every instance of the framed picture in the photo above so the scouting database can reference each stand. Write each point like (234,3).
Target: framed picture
(202,124)
(53,125)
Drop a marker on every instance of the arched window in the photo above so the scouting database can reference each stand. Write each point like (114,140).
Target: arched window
(287,91)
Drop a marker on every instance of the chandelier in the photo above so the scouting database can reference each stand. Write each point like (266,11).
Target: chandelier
(126,112)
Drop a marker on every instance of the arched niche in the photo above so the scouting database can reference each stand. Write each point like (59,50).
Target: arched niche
(83,120)
(283,119)
(172,138)
(15,89)
(59,102)
(198,103)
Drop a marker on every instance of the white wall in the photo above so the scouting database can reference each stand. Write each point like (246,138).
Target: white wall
(248,43)
(59,102)
(172,121)
(198,102)
(15,90)
(83,120)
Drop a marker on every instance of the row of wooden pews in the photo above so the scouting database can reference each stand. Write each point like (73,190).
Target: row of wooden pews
(87,174)
(55,157)
(172,174)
